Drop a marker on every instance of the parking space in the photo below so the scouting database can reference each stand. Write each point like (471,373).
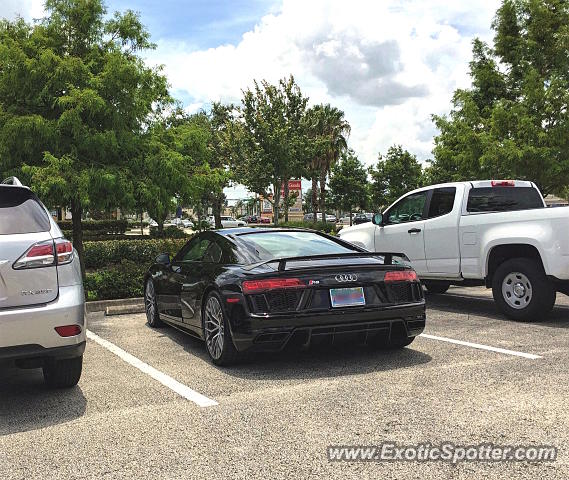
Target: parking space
(277,414)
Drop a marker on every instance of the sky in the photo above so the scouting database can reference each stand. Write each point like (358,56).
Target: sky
(388,64)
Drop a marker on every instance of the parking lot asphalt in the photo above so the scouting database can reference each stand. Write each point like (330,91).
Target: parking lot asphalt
(276,414)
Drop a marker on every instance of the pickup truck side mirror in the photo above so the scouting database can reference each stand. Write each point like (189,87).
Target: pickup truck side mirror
(377,219)
(163,259)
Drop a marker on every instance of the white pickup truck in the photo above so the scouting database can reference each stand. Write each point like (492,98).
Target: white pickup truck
(497,233)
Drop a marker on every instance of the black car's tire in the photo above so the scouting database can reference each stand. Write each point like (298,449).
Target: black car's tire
(522,290)
(64,373)
(436,287)
(217,335)
(151,306)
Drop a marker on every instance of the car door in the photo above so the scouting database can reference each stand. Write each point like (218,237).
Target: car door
(441,232)
(403,229)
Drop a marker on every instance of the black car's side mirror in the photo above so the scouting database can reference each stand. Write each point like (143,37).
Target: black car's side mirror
(377,219)
(163,259)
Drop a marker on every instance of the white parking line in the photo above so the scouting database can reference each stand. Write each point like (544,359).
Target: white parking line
(164,379)
(529,356)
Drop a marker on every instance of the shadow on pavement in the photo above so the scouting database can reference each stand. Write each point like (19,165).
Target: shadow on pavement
(320,362)
(27,404)
(485,307)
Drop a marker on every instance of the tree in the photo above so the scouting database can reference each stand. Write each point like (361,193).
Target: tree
(395,174)
(74,99)
(268,150)
(514,121)
(348,184)
(328,131)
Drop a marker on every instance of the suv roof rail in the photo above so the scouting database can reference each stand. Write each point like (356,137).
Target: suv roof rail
(12,181)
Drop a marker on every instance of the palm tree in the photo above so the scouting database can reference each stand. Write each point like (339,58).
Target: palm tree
(333,130)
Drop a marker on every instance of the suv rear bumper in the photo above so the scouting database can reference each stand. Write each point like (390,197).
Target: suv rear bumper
(35,326)
(21,352)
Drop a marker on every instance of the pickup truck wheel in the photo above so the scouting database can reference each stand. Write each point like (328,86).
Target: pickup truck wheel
(436,287)
(522,290)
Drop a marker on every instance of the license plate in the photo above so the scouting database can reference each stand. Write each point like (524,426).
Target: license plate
(347,297)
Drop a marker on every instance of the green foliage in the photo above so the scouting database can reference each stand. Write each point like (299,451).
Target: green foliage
(271,138)
(74,99)
(348,183)
(101,227)
(112,252)
(395,174)
(170,231)
(513,122)
(124,280)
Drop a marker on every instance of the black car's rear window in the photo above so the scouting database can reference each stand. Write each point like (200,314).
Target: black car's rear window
(20,212)
(269,245)
(503,199)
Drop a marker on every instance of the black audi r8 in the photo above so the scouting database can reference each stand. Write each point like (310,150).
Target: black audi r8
(252,289)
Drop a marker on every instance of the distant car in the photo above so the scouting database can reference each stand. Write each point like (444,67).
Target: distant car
(42,302)
(309,217)
(360,218)
(152,223)
(264,219)
(261,289)
(187,223)
(345,220)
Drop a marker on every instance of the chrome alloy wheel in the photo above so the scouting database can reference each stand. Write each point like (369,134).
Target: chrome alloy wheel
(214,328)
(517,290)
(150,303)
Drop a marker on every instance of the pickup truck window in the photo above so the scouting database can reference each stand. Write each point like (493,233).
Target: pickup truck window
(503,199)
(442,201)
(408,209)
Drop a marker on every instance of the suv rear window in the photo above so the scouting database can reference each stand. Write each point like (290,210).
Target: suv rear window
(20,212)
(503,199)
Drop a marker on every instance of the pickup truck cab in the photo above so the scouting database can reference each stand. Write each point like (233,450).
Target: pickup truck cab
(497,233)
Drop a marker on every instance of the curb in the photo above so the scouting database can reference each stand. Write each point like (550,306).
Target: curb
(103,305)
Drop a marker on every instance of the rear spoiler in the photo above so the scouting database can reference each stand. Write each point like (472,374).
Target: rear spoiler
(387,258)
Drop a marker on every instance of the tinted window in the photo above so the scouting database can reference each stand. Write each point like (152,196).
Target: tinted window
(442,201)
(409,209)
(213,253)
(21,213)
(503,199)
(195,250)
(269,245)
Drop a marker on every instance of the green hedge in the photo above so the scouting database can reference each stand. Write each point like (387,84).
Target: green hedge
(171,231)
(113,227)
(112,252)
(115,268)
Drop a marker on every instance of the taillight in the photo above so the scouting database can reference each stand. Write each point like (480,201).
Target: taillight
(64,250)
(400,276)
(257,286)
(41,254)
(503,183)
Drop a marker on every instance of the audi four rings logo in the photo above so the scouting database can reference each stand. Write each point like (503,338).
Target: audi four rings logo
(346,277)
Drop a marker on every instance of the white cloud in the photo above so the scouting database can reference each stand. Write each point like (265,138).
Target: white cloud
(388,64)
(27,9)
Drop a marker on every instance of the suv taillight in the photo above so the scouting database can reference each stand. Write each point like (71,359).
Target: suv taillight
(43,254)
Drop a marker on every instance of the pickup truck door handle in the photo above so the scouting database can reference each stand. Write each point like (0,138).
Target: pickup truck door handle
(414,230)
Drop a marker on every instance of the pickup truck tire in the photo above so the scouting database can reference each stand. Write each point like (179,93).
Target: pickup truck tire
(436,287)
(522,290)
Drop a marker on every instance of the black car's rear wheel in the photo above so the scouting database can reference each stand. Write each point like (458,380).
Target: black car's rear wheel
(217,335)
(150,305)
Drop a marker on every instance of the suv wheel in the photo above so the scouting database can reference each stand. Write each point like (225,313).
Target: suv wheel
(64,373)
(217,335)
(522,290)
(436,287)
(150,305)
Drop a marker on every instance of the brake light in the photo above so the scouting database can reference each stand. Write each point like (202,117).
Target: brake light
(41,254)
(400,276)
(257,286)
(64,250)
(68,330)
(503,183)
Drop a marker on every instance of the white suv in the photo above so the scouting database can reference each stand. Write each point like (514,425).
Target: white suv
(42,321)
